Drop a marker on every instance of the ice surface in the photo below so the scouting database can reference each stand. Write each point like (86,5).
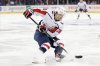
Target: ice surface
(81,37)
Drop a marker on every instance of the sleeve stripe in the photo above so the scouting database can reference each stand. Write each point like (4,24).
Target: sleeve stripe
(43,12)
(39,11)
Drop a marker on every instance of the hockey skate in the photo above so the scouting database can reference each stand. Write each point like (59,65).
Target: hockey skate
(58,54)
(59,57)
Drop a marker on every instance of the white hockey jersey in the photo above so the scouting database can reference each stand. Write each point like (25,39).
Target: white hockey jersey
(53,27)
(82,5)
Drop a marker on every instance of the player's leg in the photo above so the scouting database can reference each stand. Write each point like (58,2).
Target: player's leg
(43,43)
(42,40)
(78,15)
(58,49)
(58,53)
(87,13)
(79,12)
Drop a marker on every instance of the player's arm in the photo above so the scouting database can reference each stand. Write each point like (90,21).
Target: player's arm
(85,5)
(77,8)
(29,12)
(40,12)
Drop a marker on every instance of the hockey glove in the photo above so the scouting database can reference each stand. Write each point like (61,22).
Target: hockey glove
(42,28)
(85,10)
(76,10)
(28,13)
(55,39)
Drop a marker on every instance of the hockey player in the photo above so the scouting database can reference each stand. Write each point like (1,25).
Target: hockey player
(51,24)
(82,7)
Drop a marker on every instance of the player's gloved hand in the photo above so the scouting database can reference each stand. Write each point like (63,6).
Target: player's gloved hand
(85,10)
(76,10)
(42,28)
(28,13)
(55,39)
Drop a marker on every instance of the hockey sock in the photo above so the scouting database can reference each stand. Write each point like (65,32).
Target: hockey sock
(78,16)
(43,49)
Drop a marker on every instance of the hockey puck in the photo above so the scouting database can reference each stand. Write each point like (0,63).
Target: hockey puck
(79,56)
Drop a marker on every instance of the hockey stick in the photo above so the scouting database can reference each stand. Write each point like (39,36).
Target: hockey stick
(47,33)
(34,21)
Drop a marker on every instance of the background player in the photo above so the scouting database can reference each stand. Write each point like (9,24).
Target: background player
(82,7)
(52,24)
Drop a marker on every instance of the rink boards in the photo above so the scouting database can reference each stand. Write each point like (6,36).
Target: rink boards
(65,8)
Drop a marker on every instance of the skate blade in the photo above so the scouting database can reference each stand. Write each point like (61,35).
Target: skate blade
(39,62)
(35,62)
(58,60)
